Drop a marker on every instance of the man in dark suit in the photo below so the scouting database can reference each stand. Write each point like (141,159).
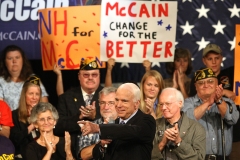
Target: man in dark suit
(80,103)
(130,141)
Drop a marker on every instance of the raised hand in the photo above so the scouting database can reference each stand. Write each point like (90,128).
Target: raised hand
(67,142)
(88,127)
(173,134)
(48,145)
(147,65)
(57,69)
(88,111)
(111,63)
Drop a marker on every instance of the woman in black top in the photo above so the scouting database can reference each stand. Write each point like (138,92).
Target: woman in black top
(48,146)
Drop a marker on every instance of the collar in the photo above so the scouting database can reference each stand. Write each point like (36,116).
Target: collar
(85,94)
(126,120)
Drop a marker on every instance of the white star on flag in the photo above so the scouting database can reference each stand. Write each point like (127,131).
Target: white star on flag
(124,64)
(202,44)
(234,11)
(224,58)
(202,11)
(155,64)
(232,43)
(187,28)
(187,0)
(219,27)
(217,0)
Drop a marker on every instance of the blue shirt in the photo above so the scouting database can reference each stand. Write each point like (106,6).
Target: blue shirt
(211,121)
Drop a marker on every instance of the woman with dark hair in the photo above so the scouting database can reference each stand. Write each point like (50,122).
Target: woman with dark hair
(23,131)
(179,69)
(48,146)
(14,70)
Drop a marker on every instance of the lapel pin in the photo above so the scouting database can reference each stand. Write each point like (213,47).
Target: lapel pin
(75,99)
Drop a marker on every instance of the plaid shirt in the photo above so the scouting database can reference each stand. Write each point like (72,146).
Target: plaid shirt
(85,141)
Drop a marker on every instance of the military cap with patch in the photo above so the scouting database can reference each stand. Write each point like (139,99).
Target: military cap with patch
(203,74)
(88,64)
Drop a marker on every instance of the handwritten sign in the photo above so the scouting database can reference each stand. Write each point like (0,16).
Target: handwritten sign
(68,35)
(134,31)
(237,66)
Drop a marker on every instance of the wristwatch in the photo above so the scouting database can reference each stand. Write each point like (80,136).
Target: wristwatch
(0,127)
(177,145)
(219,101)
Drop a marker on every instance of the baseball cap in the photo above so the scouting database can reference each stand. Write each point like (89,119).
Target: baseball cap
(211,47)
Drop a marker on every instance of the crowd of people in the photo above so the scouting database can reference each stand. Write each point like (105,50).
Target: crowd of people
(177,118)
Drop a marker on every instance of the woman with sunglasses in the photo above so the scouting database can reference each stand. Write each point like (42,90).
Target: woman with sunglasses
(48,146)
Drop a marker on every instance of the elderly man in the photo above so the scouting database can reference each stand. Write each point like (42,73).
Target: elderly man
(177,136)
(214,112)
(80,103)
(108,112)
(212,58)
(133,133)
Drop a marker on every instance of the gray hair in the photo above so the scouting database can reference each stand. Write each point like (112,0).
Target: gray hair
(134,89)
(178,94)
(107,91)
(42,107)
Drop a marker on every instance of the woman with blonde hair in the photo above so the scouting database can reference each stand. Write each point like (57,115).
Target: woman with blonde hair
(151,86)
(23,131)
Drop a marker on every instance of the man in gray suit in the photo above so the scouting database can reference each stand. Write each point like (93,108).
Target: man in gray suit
(177,136)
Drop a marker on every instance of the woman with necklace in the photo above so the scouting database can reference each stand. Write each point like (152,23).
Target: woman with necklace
(48,146)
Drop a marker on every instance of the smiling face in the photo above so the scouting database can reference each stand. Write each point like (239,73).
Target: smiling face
(125,105)
(151,87)
(107,106)
(169,105)
(32,96)
(45,122)
(206,87)
(14,62)
(89,80)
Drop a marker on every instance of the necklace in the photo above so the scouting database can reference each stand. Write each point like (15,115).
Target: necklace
(51,142)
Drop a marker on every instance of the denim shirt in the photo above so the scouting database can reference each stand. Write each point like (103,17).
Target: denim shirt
(211,121)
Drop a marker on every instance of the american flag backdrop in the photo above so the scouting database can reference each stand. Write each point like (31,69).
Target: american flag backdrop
(199,22)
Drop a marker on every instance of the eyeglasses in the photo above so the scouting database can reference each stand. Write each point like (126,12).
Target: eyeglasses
(167,104)
(48,119)
(209,81)
(87,75)
(109,103)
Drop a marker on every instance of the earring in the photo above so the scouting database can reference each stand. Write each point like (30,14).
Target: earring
(54,126)
(36,129)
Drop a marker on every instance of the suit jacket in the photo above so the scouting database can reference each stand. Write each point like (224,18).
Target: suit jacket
(193,145)
(68,110)
(130,141)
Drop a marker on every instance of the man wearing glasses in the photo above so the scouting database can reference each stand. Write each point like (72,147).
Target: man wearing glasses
(80,103)
(216,113)
(177,136)
(108,112)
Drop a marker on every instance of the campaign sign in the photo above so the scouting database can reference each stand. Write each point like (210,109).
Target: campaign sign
(132,31)
(68,35)
(237,66)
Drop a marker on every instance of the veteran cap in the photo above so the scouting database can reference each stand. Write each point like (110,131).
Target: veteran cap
(33,79)
(88,64)
(204,73)
(211,47)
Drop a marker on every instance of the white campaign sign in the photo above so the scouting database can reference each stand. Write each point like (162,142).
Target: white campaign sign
(132,31)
